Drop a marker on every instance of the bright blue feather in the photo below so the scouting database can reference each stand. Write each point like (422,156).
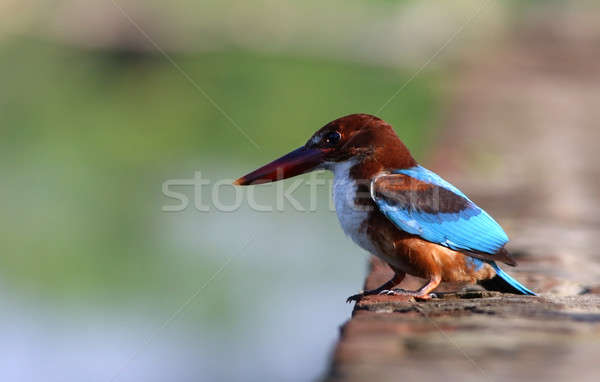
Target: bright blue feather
(514,283)
(470,229)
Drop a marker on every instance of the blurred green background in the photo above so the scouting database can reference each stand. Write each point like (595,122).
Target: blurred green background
(97,282)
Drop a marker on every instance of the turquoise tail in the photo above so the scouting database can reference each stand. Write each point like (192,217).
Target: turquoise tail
(503,282)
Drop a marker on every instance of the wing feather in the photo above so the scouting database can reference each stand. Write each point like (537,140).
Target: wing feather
(421,203)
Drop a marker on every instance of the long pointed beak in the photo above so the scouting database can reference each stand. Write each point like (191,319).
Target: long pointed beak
(297,162)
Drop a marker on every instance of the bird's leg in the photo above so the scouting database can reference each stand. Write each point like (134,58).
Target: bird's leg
(397,279)
(423,293)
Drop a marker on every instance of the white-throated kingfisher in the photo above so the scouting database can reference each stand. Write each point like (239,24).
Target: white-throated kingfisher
(399,211)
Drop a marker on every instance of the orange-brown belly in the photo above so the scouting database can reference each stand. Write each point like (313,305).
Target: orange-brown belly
(427,259)
(415,256)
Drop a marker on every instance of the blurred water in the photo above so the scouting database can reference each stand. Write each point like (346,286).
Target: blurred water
(272,314)
(51,344)
(284,295)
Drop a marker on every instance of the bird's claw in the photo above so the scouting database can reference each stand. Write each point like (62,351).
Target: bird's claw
(358,296)
(396,292)
(392,292)
(355,297)
(404,292)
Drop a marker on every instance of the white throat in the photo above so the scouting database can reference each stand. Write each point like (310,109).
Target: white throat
(350,215)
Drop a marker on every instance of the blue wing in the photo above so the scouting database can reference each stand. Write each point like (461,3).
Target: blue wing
(420,202)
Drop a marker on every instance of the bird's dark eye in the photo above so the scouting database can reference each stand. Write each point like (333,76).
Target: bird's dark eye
(332,138)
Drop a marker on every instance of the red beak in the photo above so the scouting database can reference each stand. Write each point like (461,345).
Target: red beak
(297,162)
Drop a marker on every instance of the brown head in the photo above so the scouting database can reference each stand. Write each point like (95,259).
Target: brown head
(363,138)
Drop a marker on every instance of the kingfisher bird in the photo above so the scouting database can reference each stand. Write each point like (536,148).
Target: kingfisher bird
(399,211)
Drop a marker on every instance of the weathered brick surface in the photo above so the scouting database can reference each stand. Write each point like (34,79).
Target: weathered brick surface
(522,139)
(471,337)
